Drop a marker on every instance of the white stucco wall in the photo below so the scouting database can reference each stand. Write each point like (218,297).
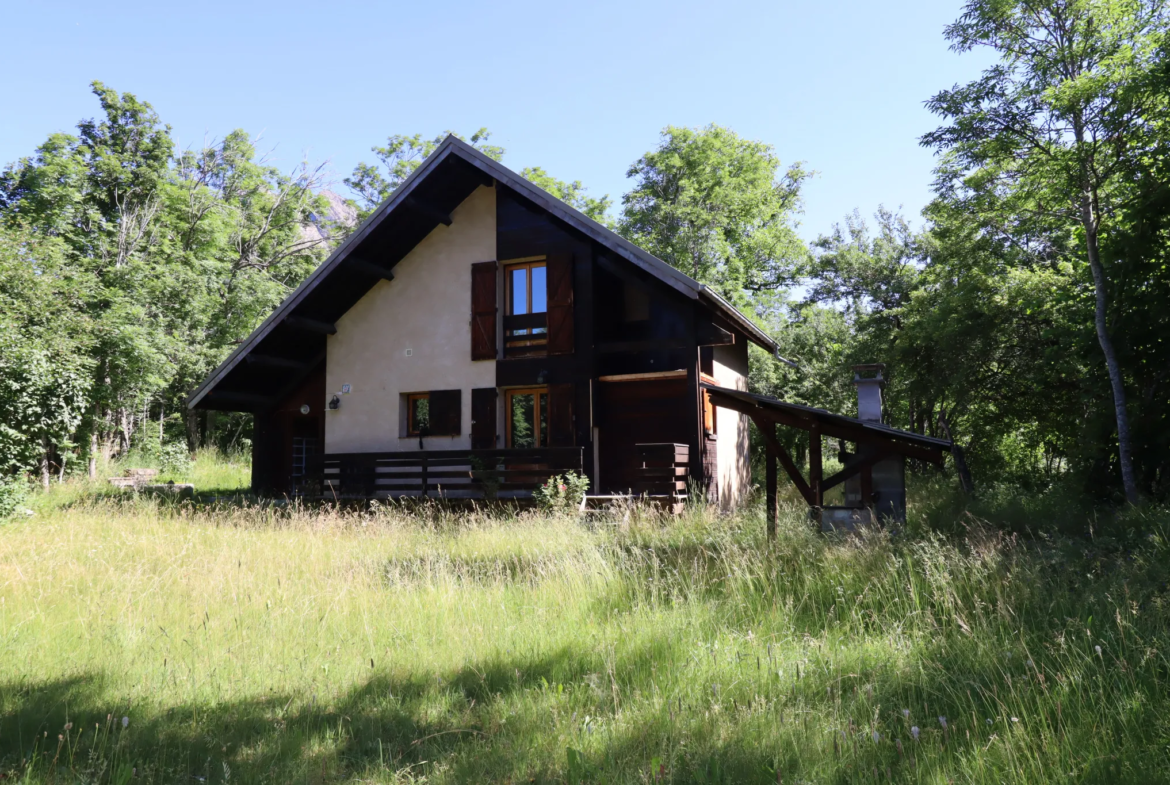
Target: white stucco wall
(427,309)
(735,472)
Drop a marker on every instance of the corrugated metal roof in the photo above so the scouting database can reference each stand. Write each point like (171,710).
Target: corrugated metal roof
(821,415)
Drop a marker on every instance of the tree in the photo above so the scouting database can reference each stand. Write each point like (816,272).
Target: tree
(45,338)
(717,207)
(401,156)
(1074,104)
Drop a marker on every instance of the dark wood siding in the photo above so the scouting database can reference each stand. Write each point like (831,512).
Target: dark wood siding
(483,311)
(483,418)
(560,303)
(560,415)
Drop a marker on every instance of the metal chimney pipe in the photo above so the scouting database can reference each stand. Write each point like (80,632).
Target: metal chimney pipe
(869,383)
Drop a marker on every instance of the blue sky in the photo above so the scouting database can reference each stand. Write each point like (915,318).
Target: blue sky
(581,89)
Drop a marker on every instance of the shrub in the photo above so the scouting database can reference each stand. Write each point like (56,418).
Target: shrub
(13,493)
(562,493)
(174,459)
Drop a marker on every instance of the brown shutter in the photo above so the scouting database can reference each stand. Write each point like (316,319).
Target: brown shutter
(483,418)
(560,415)
(483,311)
(560,303)
(446,410)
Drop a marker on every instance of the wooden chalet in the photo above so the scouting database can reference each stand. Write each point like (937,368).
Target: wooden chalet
(476,335)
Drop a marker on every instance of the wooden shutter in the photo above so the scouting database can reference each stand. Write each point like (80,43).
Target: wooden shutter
(560,303)
(560,415)
(483,311)
(446,410)
(483,418)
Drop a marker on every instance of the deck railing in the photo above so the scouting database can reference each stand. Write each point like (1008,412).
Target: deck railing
(451,474)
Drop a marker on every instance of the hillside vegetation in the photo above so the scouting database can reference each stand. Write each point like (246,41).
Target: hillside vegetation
(143,642)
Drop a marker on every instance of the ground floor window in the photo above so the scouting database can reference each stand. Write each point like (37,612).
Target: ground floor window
(418,414)
(527,418)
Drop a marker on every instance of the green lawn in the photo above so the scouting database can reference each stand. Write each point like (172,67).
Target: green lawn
(274,646)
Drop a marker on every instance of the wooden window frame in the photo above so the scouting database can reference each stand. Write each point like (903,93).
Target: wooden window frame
(411,430)
(531,342)
(535,391)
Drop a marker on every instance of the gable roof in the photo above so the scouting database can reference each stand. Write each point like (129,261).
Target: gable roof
(424,200)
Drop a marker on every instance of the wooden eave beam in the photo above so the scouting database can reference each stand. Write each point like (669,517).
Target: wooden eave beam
(268,361)
(766,428)
(368,268)
(428,210)
(310,325)
(928,454)
(710,334)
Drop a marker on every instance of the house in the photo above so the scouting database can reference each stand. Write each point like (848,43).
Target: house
(476,334)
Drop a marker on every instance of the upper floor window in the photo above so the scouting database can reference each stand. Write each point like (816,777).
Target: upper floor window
(526,307)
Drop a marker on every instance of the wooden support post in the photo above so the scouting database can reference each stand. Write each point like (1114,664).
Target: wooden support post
(770,483)
(815,466)
(867,487)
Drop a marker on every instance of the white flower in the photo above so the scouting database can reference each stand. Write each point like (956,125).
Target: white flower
(906,714)
(1015,719)
(876,737)
(125,721)
(914,732)
(943,721)
(1098,648)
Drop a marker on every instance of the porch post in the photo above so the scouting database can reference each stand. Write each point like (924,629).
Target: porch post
(770,483)
(815,475)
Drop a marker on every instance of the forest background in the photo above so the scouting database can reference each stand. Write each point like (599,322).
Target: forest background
(1027,313)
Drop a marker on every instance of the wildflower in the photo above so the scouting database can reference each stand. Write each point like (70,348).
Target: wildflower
(125,721)
(898,743)
(1031,664)
(988,721)
(905,714)
(876,737)
(69,726)
(563,487)
(1015,719)
(914,732)
(943,721)
(1098,648)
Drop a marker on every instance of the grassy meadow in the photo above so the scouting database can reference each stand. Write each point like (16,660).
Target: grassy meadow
(142,641)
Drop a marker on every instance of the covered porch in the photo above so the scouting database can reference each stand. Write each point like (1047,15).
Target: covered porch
(874,442)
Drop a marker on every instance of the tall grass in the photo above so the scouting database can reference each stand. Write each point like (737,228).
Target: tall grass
(292,645)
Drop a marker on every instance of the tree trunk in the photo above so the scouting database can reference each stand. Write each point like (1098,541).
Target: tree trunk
(191,420)
(45,464)
(93,442)
(1124,443)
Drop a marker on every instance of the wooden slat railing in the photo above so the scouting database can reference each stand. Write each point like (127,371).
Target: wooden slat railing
(662,469)
(453,474)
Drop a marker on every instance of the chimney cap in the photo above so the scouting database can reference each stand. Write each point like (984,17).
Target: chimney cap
(869,368)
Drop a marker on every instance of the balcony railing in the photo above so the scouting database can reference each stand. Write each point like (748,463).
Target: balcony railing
(449,474)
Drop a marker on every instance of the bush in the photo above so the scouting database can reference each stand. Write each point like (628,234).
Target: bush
(174,459)
(562,493)
(13,493)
